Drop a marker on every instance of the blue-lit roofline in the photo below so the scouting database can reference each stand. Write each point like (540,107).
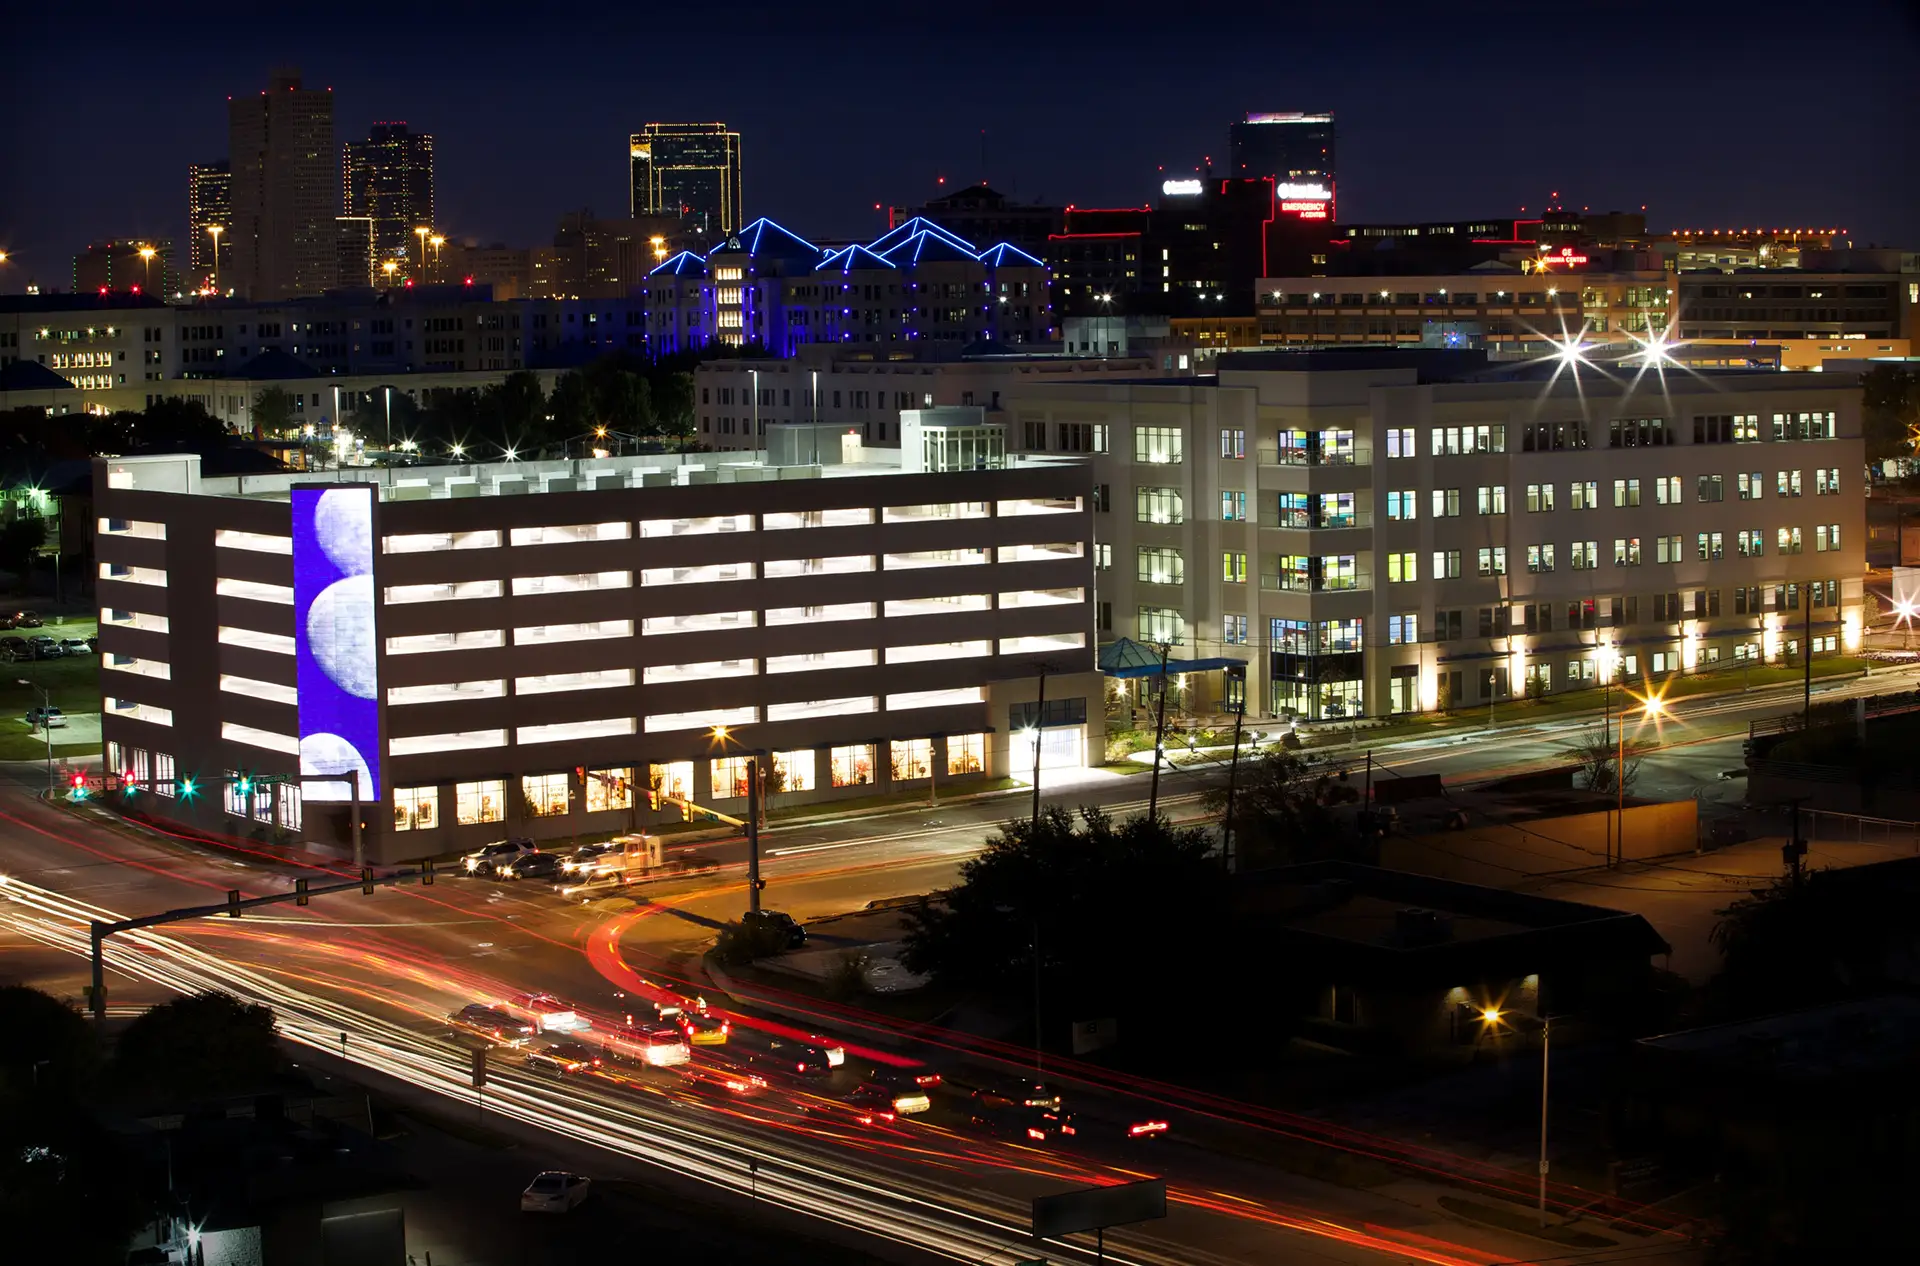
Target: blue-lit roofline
(676,264)
(750,237)
(999,252)
(914,227)
(916,245)
(848,258)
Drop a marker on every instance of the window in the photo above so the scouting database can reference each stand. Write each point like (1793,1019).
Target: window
(1583,555)
(1233,445)
(1787,483)
(1539,558)
(551,634)
(1626,551)
(1666,490)
(1400,442)
(576,582)
(1550,437)
(1233,507)
(1787,540)
(1826,482)
(1102,557)
(416,808)
(966,754)
(1403,629)
(1233,567)
(1665,662)
(1494,621)
(1749,486)
(1493,560)
(1446,503)
(1161,624)
(1751,543)
(1452,441)
(1638,433)
(1159,565)
(1826,593)
(1584,496)
(1626,492)
(1159,445)
(544,795)
(1826,537)
(1539,498)
(909,759)
(572,533)
(1492,500)
(1159,505)
(1537,617)
(475,802)
(1710,488)
(852,765)
(791,771)
(1403,568)
(609,789)
(1666,549)
(1403,505)
(1446,564)
(1707,547)
(1233,630)
(163,775)
(727,777)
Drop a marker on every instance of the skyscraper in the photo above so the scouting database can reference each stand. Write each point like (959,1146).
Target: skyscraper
(209,203)
(1288,146)
(389,176)
(285,190)
(691,170)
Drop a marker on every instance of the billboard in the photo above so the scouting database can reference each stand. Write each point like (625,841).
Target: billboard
(1305,200)
(1096,1208)
(336,654)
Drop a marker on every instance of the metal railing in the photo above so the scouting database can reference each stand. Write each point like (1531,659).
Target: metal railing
(1313,457)
(1293,583)
(1307,521)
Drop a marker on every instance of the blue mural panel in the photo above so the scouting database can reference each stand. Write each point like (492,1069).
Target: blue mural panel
(334,640)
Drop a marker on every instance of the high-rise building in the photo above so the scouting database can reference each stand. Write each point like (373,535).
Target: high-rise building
(209,205)
(389,176)
(1287,146)
(356,259)
(133,264)
(285,190)
(690,170)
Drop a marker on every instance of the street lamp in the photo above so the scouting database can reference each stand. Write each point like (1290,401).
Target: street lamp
(214,231)
(438,241)
(421,233)
(1492,1017)
(146,257)
(391,267)
(46,723)
(1903,609)
(1653,707)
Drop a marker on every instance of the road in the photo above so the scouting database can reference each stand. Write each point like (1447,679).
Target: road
(386,969)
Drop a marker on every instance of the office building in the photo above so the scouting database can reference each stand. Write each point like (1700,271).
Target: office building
(1287,147)
(690,171)
(1379,531)
(870,626)
(389,178)
(915,284)
(505,270)
(592,258)
(209,206)
(130,264)
(358,263)
(285,191)
(1836,305)
(981,213)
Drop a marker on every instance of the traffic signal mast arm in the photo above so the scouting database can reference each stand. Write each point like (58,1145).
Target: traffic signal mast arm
(691,811)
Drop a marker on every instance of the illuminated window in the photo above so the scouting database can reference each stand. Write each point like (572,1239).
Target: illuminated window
(1160,565)
(852,766)
(910,758)
(792,771)
(457,741)
(609,789)
(939,650)
(821,614)
(429,643)
(157,669)
(163,775)
(135,620)
(443,692)
(555,683)
(1159,445)
(570,731)
(253,639)
(134,575)
(950,698)
(566,534)
(453,591)
(697,527)
(548,634)
(286,807)
(475,802)
(812,708)
(675,778)
(727,775)
(966,753)
(416,808)
(544,795)
(255,737)
(706,719)
(712,573)
(574,582)
(439,543)
(227,538)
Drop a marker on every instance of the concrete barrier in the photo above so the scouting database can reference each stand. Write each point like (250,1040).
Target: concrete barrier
(1501,855)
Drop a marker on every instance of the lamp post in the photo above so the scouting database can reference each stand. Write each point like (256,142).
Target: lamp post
(421,233)
(146,257)
(1653,707)
(214,231)
(391,267)
(1492,1017)
(437,242)
(46,728)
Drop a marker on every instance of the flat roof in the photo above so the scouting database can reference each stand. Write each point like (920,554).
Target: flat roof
(1864,1035)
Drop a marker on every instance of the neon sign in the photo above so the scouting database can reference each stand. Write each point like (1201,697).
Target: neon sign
(1179,188)
(1566,256)
(1314,192)
(335,647)
(1306,210)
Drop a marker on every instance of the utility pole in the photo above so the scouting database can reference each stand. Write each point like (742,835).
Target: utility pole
(1039,732)
(753,834)
(353,784)
(1546,1029)
(1233,772)
(1159,736)
(1806,660)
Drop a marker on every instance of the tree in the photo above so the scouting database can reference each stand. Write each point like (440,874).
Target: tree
(20,538)
(204,1044)
(1596,753)
(625,403)
(1282,810)
(50,1047)
(519,405)
(571,405)
(272,411)
(673,406)
(1889,411)
(172,423)
(1800,943)
(1090,906)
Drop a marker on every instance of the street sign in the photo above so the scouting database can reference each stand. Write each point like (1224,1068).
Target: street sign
(479,1067)
(1096,1208)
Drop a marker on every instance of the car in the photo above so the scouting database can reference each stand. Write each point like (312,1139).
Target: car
(23,620)
(491,1023)
(44,647)
(653,1044)
(729,1071)
(530,866)
(586,859)
(555,1192)
(562,1058)
(484,861)
(15,648)
(779,920)
(46,718)
(702,1029)
(546,1013)
(809,1057)
(899,1091)
(75,646)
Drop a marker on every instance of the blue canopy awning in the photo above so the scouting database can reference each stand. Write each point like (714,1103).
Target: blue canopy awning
(1128,658)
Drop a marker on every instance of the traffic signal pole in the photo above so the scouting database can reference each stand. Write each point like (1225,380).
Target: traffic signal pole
(753,835)
(98,931)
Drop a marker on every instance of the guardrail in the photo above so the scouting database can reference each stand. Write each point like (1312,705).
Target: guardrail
(1841,712)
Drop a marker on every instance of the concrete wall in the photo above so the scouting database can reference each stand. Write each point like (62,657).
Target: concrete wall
(1501,856)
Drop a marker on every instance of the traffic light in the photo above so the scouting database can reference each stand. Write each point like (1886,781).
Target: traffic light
(426,873)
(187,789)
(300,897)
(233,903)
(79,786)
(366,880)
(653,799)
(245,785)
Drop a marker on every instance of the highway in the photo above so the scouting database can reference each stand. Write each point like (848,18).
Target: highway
(386,969)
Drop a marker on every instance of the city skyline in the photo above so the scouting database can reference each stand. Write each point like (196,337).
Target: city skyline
(1486,161)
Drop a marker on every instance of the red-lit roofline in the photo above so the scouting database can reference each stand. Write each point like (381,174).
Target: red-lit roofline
(1067,237)
(1097,210)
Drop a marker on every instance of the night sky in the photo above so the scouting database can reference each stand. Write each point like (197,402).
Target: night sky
(1728,115)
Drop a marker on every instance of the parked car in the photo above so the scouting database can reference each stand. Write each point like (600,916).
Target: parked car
(45,647)
(555,1192)
(23,620)
(796,936)
(486,861)
(46,718)
(75,646)
(530,866)
(15,648)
